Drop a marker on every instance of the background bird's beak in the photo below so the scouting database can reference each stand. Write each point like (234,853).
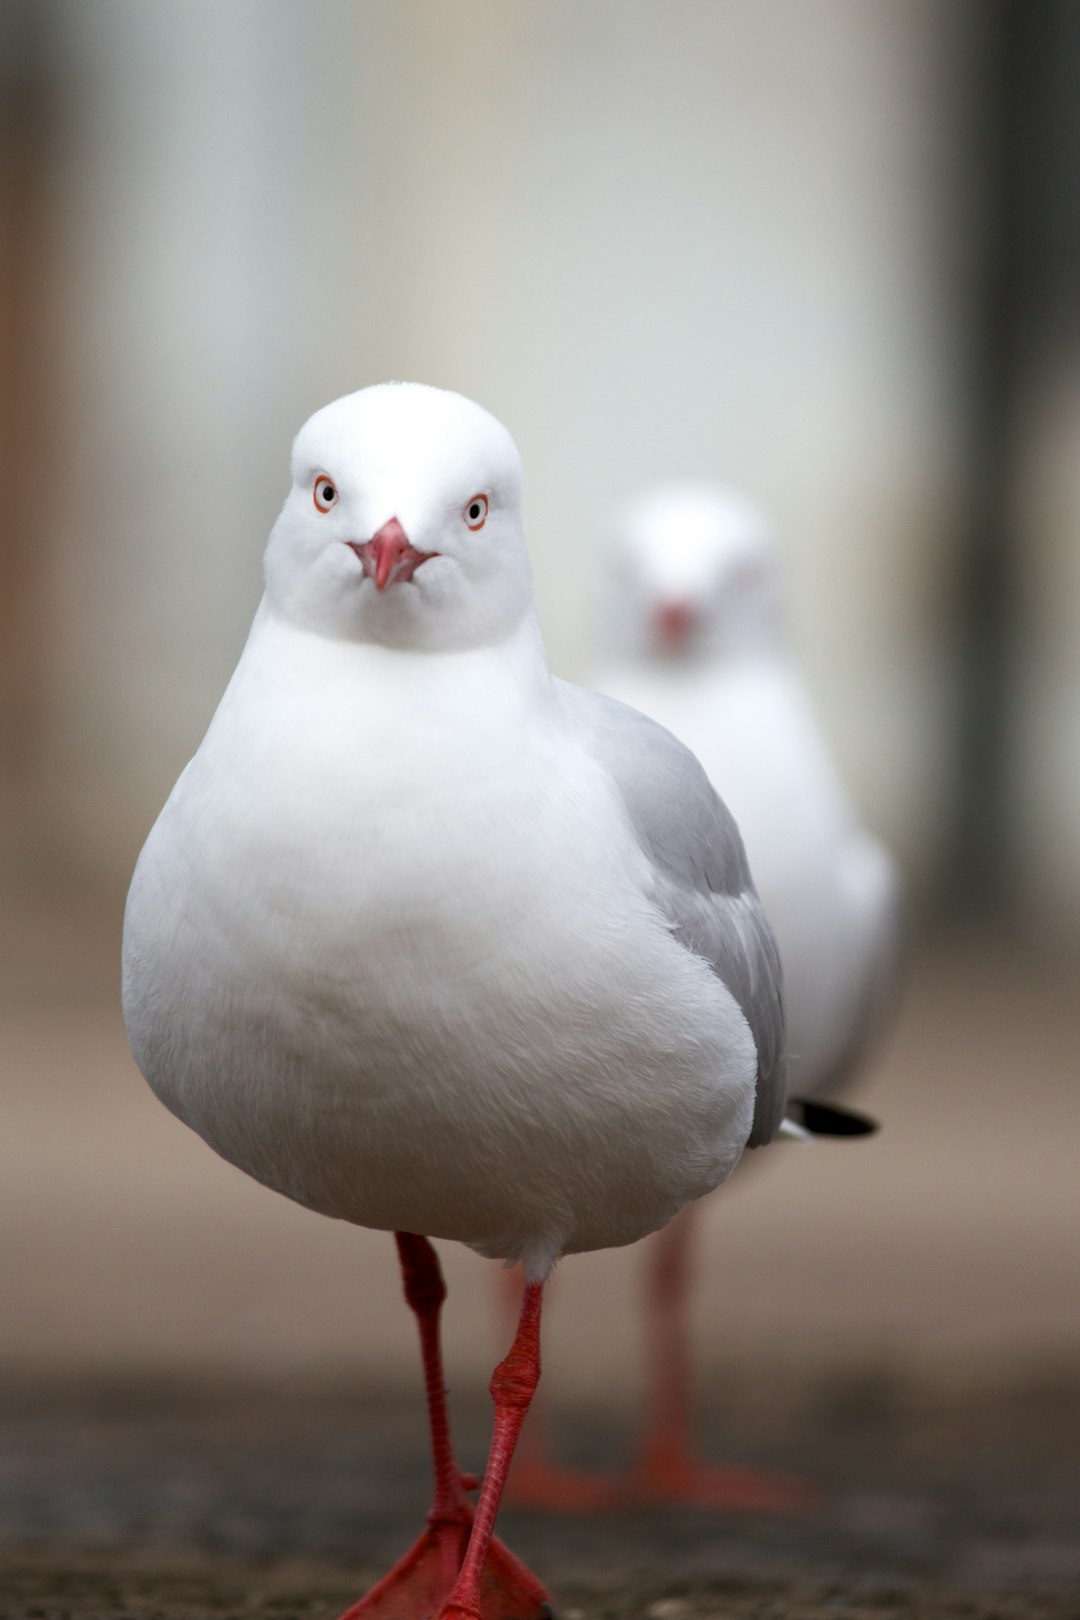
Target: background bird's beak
(388,556)
(673,622)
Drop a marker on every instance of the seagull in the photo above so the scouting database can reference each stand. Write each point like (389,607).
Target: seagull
(431,941)
(698,641)
(695,638)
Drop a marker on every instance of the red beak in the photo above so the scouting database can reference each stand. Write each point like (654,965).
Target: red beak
(389,557)
(673,622)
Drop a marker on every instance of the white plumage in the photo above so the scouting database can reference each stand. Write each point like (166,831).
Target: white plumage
(695,638)
(424,938)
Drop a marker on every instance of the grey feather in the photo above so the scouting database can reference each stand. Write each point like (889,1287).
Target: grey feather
(702,880)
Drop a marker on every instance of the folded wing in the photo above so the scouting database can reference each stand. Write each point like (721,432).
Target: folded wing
(701,879)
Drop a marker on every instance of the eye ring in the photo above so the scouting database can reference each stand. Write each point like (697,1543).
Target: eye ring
(475,511)
(324,493)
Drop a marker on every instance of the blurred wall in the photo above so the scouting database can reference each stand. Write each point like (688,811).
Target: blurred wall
(1042,495)
(708,238)
(1044,729)
(181,295)
(24,170)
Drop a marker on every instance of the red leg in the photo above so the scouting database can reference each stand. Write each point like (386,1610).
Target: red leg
(512,1387)
(668,1470)
(667,1330)
(418,1582)
(537,1481)
(450,1515)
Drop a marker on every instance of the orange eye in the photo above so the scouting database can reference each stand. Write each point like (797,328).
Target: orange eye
(325,493)
(476,511)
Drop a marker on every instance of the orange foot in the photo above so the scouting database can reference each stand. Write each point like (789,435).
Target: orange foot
(723,1489)
(508,1591)
(419,1583)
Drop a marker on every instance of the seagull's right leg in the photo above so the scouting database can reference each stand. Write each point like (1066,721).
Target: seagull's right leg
(451,1514)
(421,1579)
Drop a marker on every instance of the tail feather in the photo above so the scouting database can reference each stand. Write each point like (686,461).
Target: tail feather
(806,1119)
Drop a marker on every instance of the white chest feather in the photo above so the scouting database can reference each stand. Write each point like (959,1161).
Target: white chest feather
(388,950)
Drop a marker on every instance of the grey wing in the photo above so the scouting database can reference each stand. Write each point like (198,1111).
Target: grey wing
(702,879)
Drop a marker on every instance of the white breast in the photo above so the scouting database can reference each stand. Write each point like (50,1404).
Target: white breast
(388,949)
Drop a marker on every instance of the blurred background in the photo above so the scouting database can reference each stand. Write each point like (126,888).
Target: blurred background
(828,252)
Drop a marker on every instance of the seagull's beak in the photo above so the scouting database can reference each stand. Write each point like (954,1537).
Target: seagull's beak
(673,622)
(389,557)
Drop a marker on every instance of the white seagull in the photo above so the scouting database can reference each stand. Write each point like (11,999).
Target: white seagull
(695,638)
(430,941)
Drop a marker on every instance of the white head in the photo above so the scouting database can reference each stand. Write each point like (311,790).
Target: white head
(403,524)
(692,574)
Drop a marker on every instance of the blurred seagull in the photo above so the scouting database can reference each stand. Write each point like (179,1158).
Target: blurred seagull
(696,640)
(699,644)
(432,942)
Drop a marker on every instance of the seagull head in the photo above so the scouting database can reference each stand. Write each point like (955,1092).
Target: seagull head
(692,574)
(403,524)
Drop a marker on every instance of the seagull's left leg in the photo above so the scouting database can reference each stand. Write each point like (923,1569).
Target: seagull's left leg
(538,1481)
(489,1582)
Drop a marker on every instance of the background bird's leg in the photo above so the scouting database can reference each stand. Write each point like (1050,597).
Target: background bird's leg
(669,1376)
(669,1469)
(425,1291)
(512,1386)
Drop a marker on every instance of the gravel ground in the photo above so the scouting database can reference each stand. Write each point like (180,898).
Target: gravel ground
(179,1501)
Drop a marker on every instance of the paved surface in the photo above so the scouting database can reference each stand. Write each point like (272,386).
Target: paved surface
(179,1501)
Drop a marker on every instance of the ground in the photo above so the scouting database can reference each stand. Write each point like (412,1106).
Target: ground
(179,1502)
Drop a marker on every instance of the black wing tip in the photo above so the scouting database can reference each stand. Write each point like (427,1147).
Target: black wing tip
(826,1119)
